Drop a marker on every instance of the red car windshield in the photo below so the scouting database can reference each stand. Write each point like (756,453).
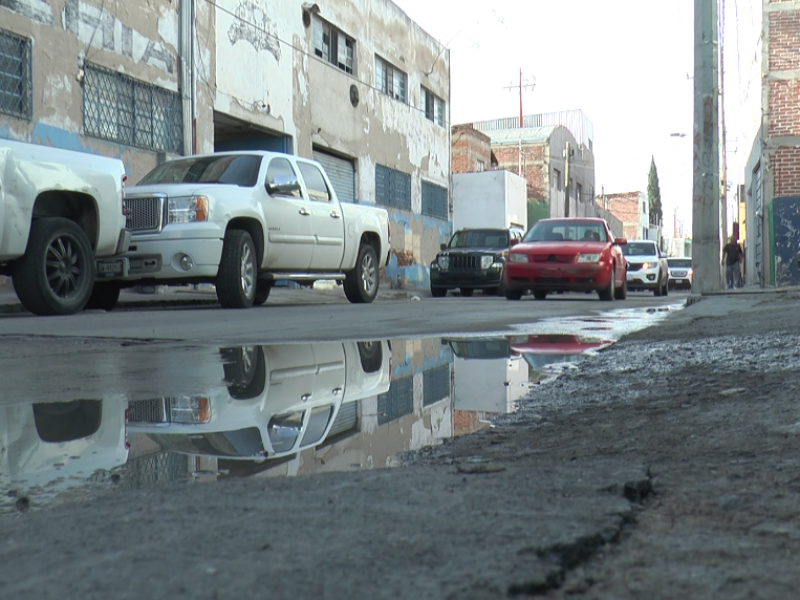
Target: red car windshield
(566,230)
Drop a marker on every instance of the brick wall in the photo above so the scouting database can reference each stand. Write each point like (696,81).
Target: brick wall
(468,146)
(784,34)
(533,167)
(786,168)
(627,208)
(784,107)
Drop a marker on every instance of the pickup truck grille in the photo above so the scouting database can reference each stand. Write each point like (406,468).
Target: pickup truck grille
(147,411)
(634,267)
(144,214)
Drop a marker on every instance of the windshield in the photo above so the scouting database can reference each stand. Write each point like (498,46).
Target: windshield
(225,169)
(572,230)
(680,263)
(480,238)
(640,249)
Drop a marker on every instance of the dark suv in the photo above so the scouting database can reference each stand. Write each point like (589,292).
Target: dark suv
(474,259)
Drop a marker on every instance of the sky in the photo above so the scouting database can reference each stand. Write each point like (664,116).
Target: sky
(627,64)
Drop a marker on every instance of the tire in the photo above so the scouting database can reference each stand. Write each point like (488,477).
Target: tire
(56,274)
(361,283)
(540,294)
(466,292)
(236,278)
(371,355)
(665,290)
(263,288)
(608,293)
(513,294)
(105,296)
(658,288)
(244,369)
(438,292)
(622,292)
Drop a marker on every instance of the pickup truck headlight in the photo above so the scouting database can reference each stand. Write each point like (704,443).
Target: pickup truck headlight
(646,265)
(486,261)
(444,262)
(189,409)
(588,258)
(518,258)
(188,210)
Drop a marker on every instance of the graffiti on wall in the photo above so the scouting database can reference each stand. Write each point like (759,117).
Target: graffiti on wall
(99,28)
(252,25)
(786,240)
(35,10)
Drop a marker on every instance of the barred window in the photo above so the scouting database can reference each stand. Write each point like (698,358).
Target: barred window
(392,188)
(434,201)
(433,105)
(16,97)
(121,109)
(435,385)
(334,46)
(390,80)
(397,402)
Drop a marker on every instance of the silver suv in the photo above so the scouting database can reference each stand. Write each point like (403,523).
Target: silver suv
(680,273)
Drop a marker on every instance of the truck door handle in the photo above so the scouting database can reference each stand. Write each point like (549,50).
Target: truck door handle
(304,212)
(336,215)
(305,397)
(337,391)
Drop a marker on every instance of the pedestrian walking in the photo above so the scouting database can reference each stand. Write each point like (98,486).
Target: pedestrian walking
(732,259)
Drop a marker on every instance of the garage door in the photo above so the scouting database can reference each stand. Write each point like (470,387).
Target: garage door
(342,174)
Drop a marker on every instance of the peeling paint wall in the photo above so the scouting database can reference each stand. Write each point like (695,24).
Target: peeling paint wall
(286,89)
(138,39)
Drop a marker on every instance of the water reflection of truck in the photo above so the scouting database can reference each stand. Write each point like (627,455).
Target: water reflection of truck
(273,400)
(47,447)
(489,376)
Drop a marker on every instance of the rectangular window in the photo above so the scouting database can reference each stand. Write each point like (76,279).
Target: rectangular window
(433,106)
(397,402)
(392,188)
(121,109)
(333,46)
(390,80)
(557,177)
(579,192)
(434,201)
(435,385)
(16,97)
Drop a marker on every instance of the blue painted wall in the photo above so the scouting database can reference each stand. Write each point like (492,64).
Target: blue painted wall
(785,235)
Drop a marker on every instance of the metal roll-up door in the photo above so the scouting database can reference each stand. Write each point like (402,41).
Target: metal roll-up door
(342,174)
(346,420)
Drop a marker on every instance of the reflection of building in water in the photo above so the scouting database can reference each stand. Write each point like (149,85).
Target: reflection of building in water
(488,378)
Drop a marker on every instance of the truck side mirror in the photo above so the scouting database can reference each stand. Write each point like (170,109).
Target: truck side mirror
(442,246)
(283,184)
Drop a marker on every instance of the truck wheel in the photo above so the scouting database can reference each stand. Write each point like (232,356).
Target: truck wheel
(56,274)
(105,295)
(438,292)
(665,290)
(236,279)
(513,294)
(263,288)
(657,289)
(244,370)
(361,283)
(540,294)
(466,292)
(371,355)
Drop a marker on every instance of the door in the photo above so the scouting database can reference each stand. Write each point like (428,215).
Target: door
(342,174)
(327,223)
(289,237)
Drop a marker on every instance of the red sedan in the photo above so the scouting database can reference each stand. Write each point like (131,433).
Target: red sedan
(567,255)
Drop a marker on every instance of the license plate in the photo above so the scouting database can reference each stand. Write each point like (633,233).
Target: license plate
(110,267)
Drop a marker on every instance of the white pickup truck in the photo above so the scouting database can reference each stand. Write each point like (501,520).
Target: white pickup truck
(243,220)
(62,222)
(647,267)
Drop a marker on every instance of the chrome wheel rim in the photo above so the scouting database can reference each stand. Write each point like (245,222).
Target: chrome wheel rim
(369,279)
(247,271)
(62,268)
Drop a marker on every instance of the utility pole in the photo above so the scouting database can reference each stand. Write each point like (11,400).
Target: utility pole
(705,195)
(567,154)
(723,171)
(524,84)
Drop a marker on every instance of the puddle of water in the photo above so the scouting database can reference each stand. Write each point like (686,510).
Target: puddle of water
(280,410)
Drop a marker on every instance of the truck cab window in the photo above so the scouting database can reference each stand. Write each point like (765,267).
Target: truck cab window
(315,182)
(282,167)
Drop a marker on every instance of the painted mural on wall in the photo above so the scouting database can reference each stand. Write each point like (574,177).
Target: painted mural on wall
(786,240)
(252,25)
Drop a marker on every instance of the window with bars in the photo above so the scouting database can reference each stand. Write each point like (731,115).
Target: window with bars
(433,105)
(392,188)
(334,46)
(435,385)
(16,97)
(121,109)
(434,201)
(390,80)
(397,402)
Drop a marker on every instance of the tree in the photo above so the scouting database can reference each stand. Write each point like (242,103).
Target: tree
(654,195)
